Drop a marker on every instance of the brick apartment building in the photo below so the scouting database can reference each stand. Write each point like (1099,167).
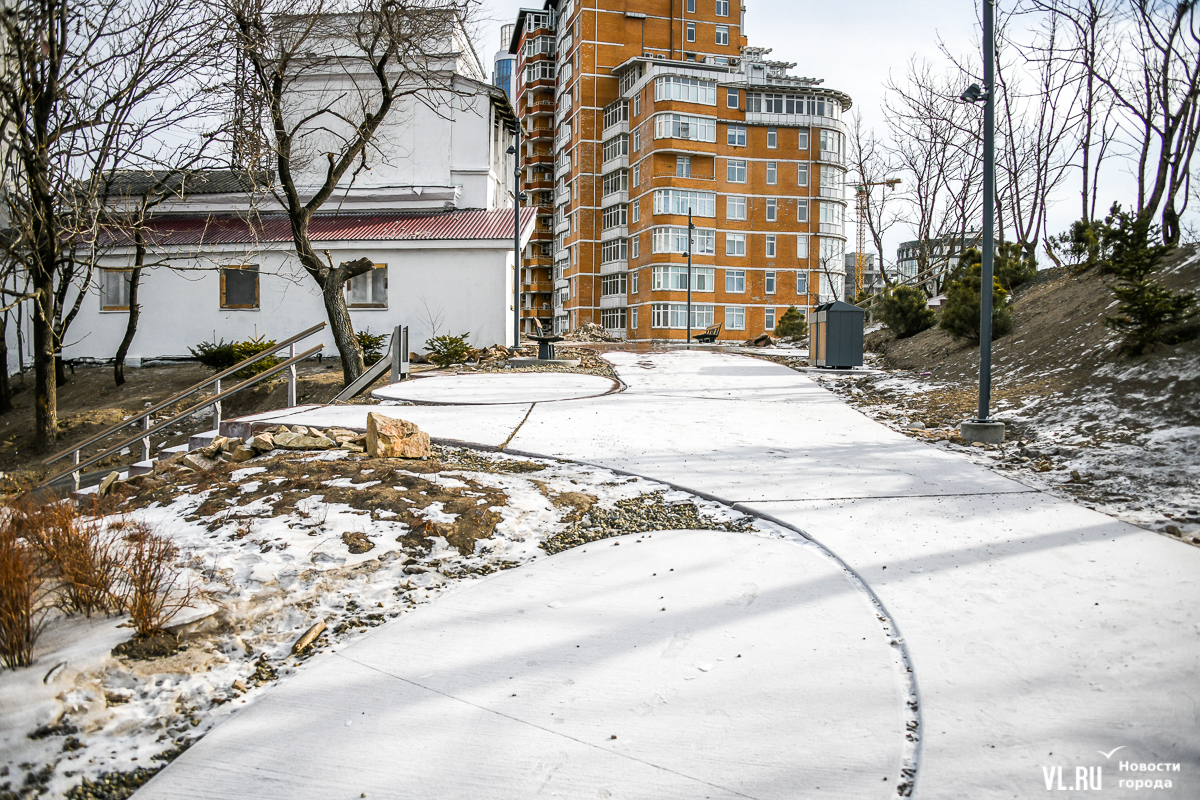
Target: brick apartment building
(635,113)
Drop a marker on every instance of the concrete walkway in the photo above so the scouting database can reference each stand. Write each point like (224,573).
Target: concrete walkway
(1042,635)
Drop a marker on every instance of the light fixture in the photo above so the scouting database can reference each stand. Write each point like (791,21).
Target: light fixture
(512,151)
(973,94)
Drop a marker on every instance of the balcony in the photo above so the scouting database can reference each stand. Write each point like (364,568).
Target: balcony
(561,283)
(834,228)
(562,168)
(609,267)
(538,287)
(620,162)
(613,301)
(614,198)
(794,120)
(619,232)
(834,193)
(830,157)
(563,197)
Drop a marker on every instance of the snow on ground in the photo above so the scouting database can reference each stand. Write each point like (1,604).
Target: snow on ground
(266,564)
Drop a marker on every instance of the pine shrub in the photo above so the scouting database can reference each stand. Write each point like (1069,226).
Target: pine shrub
(371,344)
(445,350)
(960,314)
(905,310)
(221,355)
(792,325)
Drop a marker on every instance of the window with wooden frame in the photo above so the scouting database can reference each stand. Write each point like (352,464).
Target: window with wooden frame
(239,286)
(369,290)
(114,289)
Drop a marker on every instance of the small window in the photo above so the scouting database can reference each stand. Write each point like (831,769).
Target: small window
(770,245)
(772,137)
(802,211)
(736,171)
(368,290)
(114,289)
(772,209)
(735,318)
(635,211)
(735,281)
(637,139)
(691,6)
(691,31)
(722,8)
(735,207)
(633,246)
(722,34)
(801,283)
(769,319)
(772,173)
(633,314)
(802,140)
(802,175)
(736,136)
(735,244)
(633,285)
(636,177)
(769,280)
(239,287)
(683,166)
(801,246)
(732,98)
(637,104)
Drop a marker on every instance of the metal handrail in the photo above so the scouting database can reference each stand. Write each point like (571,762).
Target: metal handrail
(78,465)
(185,393)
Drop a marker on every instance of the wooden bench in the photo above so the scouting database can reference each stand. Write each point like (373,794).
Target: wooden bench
(710,334)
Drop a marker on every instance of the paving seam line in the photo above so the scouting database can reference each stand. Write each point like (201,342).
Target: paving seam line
(550,731)
(881,497)
(504,444)
(911,759)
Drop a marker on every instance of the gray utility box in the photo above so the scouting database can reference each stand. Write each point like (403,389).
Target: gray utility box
(836,336)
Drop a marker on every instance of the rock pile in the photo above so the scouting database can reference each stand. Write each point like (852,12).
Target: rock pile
(590,332)
(279,437)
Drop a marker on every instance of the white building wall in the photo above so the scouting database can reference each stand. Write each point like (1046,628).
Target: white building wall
(463,286)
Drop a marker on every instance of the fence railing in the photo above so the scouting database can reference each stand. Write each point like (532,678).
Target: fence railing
(146,416)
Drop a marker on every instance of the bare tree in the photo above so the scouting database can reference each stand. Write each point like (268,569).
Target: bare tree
(872,163)
(83,80)
(326,76)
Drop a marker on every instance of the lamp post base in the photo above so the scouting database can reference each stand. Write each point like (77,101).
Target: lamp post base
(988,431)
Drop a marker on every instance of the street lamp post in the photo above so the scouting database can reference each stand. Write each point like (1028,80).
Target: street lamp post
(983,429)
(691,228)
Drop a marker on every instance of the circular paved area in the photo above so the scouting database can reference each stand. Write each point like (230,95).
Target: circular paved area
(680,664)
(497,388)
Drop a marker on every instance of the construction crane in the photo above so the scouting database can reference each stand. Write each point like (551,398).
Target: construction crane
(862,196)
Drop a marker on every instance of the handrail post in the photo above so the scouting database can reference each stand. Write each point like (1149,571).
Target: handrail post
(146,440)
(75,474)
(217,409)
(292,378)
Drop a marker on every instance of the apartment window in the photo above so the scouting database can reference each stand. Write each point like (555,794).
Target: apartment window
(691,31)
(722,34)
(687,90)
(637,104)
(772,173)
(769,319)
(802,211)
(239,287)
(691,6)
(802,140)
(637,139)
(736,136)
(613,250)
(772,209)
(680,201)
(633,317)
(114,289)
(722,8)
(772,137)
(633,283)
(735,281)
(735,244)
(770,246)
(637,175)
(674,315)
(616,147)
(735,318)
(612,319)
(735,171)
(368,290)
(633,246)
(613,284)
(735,207)
(801,283)
(614,216)
(674,239)
(802,175)
(635,211)
(683,126)
(801,246)
(675,278)
(733,98)
(769,281)
(683,166)
(616,182)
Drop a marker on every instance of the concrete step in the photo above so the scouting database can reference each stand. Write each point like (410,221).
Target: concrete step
(167,452)
(199,440)
(141,467)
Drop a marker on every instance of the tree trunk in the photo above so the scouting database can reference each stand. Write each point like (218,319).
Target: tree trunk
(343,330)
(130,326)
(45,388)
(5,387)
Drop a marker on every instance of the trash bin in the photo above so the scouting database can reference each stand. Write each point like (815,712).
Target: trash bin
(836,336)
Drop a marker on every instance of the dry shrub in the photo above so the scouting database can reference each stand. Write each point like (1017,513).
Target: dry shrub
(24,586)
(152,580)
(83,553)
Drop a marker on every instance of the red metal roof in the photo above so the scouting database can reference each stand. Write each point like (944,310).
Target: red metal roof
(196,229)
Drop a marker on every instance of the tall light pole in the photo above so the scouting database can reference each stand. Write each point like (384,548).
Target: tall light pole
(691,228)
(983,429)
(515,152)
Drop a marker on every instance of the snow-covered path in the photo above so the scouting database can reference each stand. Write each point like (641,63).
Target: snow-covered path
(1042,634)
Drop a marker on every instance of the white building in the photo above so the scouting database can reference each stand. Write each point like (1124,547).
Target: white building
(432,209)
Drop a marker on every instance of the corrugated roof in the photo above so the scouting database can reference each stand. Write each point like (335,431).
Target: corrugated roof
(196,229)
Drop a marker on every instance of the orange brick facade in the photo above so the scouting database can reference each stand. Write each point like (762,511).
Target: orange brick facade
(634,113)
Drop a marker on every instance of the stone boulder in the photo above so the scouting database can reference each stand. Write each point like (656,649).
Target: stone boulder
(395,438)
(302,441)
(263,442)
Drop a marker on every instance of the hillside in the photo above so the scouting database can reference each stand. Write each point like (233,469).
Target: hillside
(1118,434)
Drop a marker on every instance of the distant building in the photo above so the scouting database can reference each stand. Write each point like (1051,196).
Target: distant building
(872,279)
(939,256)
(504,66)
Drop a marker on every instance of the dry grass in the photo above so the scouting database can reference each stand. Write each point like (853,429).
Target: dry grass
(83,552)
(24,589)
(152,581)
